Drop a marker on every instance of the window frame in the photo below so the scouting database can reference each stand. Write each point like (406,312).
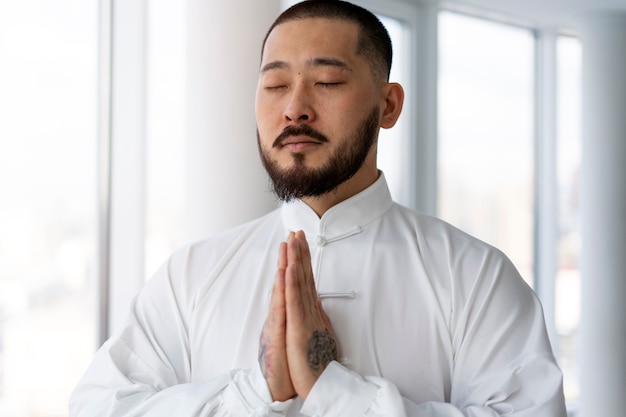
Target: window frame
(121,210)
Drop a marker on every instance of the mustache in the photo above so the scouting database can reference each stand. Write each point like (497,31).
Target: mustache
(301,130)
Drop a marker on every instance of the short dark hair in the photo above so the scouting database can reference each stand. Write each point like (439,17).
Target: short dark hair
(374,42)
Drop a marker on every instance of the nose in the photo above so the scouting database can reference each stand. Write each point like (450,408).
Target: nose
(299,107)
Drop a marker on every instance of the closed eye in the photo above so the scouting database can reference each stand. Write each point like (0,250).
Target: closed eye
(275,87)
(328,84)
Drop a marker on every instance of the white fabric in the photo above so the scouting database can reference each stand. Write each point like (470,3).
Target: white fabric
(429,322)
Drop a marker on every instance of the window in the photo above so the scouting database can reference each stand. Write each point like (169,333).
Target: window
(486,151)
(48,136)
(485,143)
(567,303)
(393,143)
(165,140)
(48,159)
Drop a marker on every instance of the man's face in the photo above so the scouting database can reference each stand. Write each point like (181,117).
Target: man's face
(317,106)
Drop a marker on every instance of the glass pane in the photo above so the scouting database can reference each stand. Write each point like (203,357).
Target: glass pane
(48,135)
(485,144)
(567,314)
(393,146)
(165,145)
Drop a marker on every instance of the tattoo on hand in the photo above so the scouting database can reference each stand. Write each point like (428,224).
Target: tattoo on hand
(321,350)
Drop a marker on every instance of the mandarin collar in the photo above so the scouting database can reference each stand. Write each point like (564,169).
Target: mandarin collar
(342,220)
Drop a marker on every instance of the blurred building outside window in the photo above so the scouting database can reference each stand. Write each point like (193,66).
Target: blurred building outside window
(485,133)
(569,142)
(48,223)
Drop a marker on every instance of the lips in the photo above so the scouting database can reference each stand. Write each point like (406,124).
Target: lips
(298,143)
(302,135)
(297,140)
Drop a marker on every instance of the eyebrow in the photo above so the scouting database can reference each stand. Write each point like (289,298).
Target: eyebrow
(274,65)
(330,62)
(314,62)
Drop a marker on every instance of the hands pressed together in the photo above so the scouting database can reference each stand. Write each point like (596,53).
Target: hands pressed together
(297,341)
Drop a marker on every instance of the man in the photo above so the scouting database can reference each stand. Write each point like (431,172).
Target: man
(341,302)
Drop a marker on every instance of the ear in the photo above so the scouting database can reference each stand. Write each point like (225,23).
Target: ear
(393,100)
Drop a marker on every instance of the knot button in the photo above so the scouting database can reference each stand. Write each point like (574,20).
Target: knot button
(320,241)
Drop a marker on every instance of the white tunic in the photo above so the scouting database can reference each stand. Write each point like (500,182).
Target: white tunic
(429,322)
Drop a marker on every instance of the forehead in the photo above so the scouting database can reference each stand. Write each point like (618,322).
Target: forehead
(306,39)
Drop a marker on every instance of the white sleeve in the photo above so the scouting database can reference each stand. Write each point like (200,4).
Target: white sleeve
(104,391)
(502,365)
(145,370)
(340,392)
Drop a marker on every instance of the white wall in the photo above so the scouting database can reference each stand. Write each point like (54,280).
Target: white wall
(226,184)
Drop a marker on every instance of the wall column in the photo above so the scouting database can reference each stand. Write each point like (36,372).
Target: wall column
(603,211)
(225,181)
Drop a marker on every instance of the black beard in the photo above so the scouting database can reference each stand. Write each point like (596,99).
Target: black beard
(298,181)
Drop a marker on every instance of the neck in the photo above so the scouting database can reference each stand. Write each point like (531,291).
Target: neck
(359,182)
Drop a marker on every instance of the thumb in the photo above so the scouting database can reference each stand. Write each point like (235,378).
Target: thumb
(325,317)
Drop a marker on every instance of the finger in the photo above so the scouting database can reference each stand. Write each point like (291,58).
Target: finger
(272,345)
(277,301)
(301,295)
(282,255)
(294,278)
(304,286)
(308,289)
(305,256)
(275,323)
(300,257)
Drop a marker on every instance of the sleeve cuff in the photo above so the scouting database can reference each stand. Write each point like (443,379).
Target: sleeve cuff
(339,392)
(249,394)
